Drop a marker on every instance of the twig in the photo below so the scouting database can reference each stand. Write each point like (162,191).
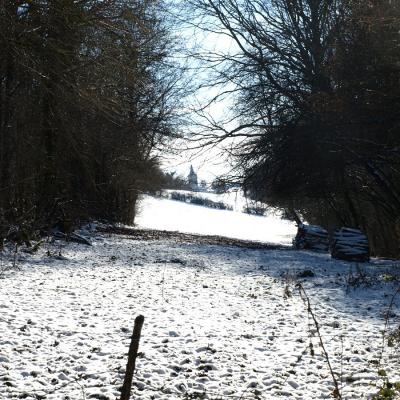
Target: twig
(163,283)
(387,316)
(306,299)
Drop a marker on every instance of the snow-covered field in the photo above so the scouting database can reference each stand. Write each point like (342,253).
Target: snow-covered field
(221,322)
(163,214)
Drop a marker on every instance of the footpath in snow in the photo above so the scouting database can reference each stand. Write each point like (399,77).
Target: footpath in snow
(221,322)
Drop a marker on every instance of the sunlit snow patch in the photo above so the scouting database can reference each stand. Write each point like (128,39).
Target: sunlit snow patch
(170,215)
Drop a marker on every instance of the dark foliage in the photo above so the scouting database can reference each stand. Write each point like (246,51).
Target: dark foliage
(86,94)
(200,201)
(171,180)
(317,90)
(255,210)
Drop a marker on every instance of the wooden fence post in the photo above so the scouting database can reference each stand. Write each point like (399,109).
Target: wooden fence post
(132,355)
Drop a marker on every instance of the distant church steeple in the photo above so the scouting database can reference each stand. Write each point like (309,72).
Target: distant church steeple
(192,179)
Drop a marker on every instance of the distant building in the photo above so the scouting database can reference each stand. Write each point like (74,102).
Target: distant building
(192,179)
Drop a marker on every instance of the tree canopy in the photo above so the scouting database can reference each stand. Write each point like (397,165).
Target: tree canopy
(87,91)
(316,89)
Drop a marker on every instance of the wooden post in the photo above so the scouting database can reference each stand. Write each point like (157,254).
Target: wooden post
(132,355)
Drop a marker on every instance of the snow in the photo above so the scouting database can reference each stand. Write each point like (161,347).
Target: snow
(163,214)
(221,322)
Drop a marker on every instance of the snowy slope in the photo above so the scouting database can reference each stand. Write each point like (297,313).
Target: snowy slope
(234,197)
(163,214)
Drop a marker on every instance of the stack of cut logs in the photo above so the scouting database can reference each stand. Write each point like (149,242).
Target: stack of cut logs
(350,245)
(311,237)
(345,244)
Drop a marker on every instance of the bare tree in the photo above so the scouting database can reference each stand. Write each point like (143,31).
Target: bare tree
(315,92)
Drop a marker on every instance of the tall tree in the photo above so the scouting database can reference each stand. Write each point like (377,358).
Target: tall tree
(87,93)
(316,86)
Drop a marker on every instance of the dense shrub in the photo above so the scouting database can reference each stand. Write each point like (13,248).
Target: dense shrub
(199,201)
(255,210)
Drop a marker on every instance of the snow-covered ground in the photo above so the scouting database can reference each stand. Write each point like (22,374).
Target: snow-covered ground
(221,322)
(164,214)
(233,197)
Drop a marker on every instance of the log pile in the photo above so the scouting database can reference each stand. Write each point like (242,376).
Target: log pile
(311,237)
(350,245)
